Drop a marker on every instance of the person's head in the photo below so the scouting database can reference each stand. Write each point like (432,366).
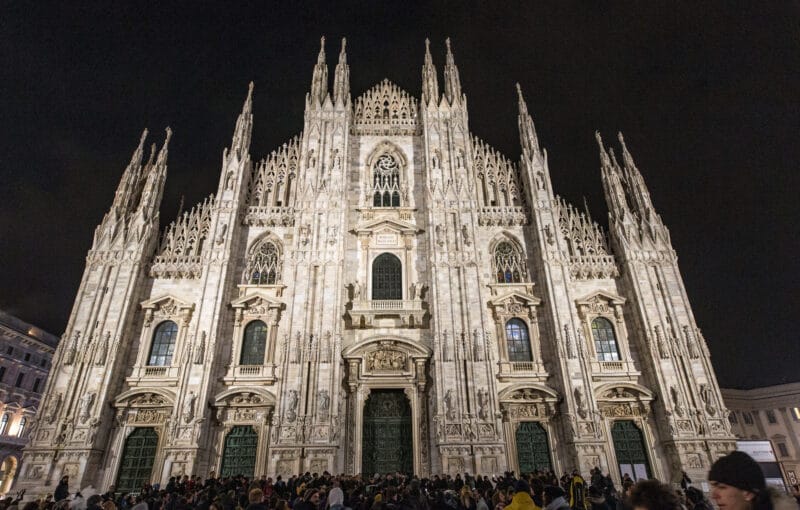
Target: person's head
(693,497)
(312,496)
(281,505)
(522,486)
(653,495)
(93,500)
(336,497)
(737,482)
(255,496)
(551,493)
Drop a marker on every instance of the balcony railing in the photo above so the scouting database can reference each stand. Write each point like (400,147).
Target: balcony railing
(155,371)
(407,312)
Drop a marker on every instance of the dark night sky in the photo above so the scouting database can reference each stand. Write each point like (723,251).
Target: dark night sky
(706,95)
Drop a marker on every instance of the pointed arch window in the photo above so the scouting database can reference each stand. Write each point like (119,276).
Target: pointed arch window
(4,424)
(518,341)
(254,344)
(509,267)
(21,428)
(386,182)
(264,266)
(605,341)
(163,346)
(387,278)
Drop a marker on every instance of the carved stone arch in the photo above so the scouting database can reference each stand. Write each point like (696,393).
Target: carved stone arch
(505,236)
(145,397)
(245,396)
(623,400)
(387,147)
(515,263)
(252,265)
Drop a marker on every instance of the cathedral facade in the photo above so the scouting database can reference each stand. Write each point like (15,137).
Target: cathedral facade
(383,292)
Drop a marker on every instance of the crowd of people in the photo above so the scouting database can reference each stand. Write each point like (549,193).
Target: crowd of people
(736,482)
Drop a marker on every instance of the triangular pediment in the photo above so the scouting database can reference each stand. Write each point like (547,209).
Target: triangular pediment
(166,302)
(515,297)
(601,295)
(256,299)
(387,224)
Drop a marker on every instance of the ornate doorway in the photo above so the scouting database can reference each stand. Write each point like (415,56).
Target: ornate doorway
(533,451)
(387,439)
(138,455)
(239,456)
(630,449)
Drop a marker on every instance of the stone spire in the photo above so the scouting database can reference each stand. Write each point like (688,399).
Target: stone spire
(240,144)
(452,83)
(612,182)
(319,80)
(129,183)
(640,196)
(527,132)
(156,175)
(430,84)
(341,78)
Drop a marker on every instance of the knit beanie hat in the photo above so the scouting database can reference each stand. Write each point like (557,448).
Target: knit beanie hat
(739,470)
(522,486)
(336,497)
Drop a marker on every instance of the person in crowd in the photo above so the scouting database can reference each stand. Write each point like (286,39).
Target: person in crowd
(555,498)
(653,495)
(465,499)
(696,500)
(62,490)
(685,480)
(737,483)
(577,491)
(596,499)
(522,497)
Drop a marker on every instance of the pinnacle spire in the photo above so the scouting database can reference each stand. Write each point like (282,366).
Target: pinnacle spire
(240,144)
(430,84)
(129,183)
(604,160)
(341,79)
(319,80)
(527,131)
(452,82)
(626,156)
(162,155)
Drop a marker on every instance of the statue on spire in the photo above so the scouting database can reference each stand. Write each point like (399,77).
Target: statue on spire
(319,80)
(341,79)
(527,131)
(452,82)
(430,84)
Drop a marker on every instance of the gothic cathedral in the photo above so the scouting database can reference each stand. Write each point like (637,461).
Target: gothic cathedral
(383,292)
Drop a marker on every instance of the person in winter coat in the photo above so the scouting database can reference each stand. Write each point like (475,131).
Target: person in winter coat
(653,495)
(62,491)
(737,483)
(522,497)
(336,499)
(596,499)
(554,498)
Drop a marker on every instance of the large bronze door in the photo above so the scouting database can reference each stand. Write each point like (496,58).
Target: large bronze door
(239,457)
(630,449)
(138,456)
(387,438)
(533,451)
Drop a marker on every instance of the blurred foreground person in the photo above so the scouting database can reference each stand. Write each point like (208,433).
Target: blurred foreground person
(653,495)
(737,483)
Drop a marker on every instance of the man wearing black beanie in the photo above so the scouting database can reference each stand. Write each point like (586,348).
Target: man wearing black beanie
(737,483)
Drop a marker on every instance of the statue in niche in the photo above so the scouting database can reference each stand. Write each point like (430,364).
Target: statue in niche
(465,235)
(450,405)
(188,407)
(483,404)
(52,408)
(570,344)
(579,403)
(102,350)
(356,290)
(85,406)
(291,405)
(72,350)
(323,401)
(416,290)
(200,349)
(676,401)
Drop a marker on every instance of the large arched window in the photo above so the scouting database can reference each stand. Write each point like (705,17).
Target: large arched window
(264,266)
(386,182)
(253,344)
(387,278)
(605,343)
(519,344)
(509,267)
(163,344)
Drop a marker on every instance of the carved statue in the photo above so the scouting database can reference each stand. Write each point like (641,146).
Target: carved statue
(356,291)
(323,401)
(72,350)
(85,406)
(102,350)
(570,344)
(663,349)
(51,411)
(188,407)
(200,349)
(691,346)
(291,405)
(465,235)
(483,404)
(579,403)
(450,405)
(676,401)
(417,289)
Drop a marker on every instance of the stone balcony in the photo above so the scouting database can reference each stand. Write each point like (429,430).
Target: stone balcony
(250,374)
(393,313)
(154,375)
(608,370)
(529,370)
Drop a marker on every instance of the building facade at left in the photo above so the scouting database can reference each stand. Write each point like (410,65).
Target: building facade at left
(26,353)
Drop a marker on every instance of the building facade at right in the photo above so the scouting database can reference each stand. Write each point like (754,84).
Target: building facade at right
(771,413)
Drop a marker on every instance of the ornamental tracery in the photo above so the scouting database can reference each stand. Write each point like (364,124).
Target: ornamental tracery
(272,188)
(509,265)
(181,248)
(500,194)
(264,263)
(385,109)
(587,244)
(386,182)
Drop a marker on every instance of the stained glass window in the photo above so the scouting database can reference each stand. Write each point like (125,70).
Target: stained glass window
(254,343)
(387,279)
(605,343)
(163,344)
(264,265)
(386,182)
(519,345)
(508,264)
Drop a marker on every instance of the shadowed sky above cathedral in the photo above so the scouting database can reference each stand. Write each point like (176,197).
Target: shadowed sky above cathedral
(707,97)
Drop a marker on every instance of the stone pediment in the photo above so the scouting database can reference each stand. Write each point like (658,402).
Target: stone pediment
(515,297)
(167,304)
(371,345)
(599,296)
(388,225)
(256,301)
(145,397)
(245,397)
(620,391)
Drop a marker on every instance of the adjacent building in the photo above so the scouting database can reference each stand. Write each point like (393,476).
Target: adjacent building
(771,413)
(383,292)
(26,354)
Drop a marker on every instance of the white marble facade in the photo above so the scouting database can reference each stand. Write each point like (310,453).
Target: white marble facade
(479,243)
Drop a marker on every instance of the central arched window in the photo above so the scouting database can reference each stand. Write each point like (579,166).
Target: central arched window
(517,340)
(264,268)
(254,344)
(508,264)
(387,278)
(163,344)
(605,342)
(386,182)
